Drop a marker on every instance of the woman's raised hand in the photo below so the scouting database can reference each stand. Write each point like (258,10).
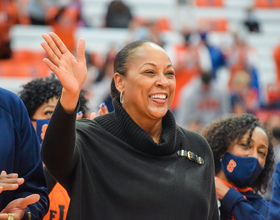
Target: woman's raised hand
(71,71)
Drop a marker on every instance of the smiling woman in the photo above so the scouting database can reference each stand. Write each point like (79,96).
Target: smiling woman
(135,162)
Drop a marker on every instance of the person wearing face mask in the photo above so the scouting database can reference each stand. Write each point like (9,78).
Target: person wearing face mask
(40,97)
(244,160)
(135,162)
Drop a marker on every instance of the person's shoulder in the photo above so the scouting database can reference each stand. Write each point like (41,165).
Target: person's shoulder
(195,142)
(192,136)
(8,99)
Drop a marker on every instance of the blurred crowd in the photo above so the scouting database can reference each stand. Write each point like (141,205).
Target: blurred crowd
(212,81)
(218,79)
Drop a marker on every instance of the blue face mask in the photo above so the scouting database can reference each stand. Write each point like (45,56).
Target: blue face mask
(241,171)
(41,126)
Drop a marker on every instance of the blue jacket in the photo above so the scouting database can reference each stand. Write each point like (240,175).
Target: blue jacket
(20,153)
(243,205)
(274,206)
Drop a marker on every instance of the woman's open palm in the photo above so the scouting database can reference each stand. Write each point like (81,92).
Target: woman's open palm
(71,71)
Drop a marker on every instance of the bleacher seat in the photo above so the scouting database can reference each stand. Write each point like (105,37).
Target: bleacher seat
(28,36)
(209,3)
(100,39)
(27,56)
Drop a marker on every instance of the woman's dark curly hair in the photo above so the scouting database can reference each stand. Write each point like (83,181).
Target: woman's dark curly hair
(222,132)
(40,90)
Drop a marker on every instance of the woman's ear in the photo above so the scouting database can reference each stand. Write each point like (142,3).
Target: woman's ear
(119,82)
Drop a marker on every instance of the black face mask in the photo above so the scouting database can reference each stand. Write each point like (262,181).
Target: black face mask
(276,133)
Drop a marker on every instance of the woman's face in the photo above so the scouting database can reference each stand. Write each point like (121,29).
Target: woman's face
(149,84)
(257,148)
(45,111)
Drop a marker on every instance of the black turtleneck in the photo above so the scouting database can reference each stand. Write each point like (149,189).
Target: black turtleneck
(112,168)
(121,125)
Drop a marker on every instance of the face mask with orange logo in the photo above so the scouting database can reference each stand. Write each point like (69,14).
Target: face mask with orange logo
(41,127)
(241,171)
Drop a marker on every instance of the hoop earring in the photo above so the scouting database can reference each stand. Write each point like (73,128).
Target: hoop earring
(121,98)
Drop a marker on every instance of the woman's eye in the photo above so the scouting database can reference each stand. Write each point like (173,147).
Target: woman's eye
(245,146)
(262,153)
(170,73)
(49,113)
(149,72)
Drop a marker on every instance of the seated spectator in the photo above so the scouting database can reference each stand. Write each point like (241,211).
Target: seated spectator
(20,157)
(101,87)
(271,98)
(243,57)
(244,97)
(184,57)
(8,18)
(118,15)
(276,59)
(244,159)
(201,102)
(211,57)
(251,23)
(143,29)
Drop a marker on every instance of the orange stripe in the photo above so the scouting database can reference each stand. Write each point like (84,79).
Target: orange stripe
(238,189)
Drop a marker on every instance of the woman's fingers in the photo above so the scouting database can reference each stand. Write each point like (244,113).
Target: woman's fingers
(92,116)
(51,49)
(52,67)
(30,200)
(9,181)
(58,43)
(81,50)
(103,109)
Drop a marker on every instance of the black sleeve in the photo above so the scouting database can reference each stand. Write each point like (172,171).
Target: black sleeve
(58,147)
(51,181)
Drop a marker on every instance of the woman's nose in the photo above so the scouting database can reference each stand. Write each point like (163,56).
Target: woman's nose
(162,81)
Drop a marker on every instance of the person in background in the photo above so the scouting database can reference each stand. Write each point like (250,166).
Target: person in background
(251,22)
(9,16)
(22,181)
(103,163)
(243,97)
(202,101)
(118,15)
(244,161)
(40,97)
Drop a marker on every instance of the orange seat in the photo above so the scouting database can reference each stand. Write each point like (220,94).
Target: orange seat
(214,24)
(209,3)
(267,3)
(23,68)
(163,24)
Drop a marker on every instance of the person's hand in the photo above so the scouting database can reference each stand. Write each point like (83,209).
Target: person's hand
(221,188)
(17,207)
(9,181)
(102,111)
(71,71)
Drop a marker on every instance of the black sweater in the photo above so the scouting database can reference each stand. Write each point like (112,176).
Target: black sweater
(112,169)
